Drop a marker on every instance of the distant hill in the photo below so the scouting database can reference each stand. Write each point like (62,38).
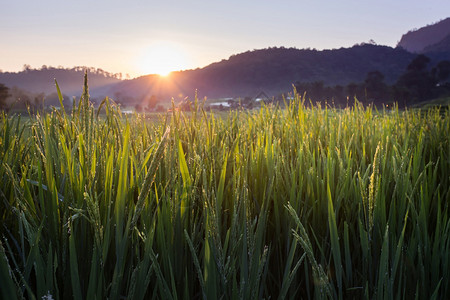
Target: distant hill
(273,71)
(69,80)
(430,38)
(440,47)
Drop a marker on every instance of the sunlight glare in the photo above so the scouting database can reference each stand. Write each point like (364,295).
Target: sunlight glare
(162,58)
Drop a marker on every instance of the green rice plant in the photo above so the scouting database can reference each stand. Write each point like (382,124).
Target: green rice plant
(280,202)
(9,290)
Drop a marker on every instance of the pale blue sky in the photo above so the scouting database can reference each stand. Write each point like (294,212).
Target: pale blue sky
(129,36)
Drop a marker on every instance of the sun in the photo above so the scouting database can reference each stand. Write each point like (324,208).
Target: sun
(162,58)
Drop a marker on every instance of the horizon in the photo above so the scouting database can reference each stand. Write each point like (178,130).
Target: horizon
(142,38)
(83,68)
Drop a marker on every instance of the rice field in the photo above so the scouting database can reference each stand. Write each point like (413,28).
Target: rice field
(280,203)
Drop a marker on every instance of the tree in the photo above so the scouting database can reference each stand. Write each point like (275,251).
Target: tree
(338,95)
(418,64)
(376,88)
(442,71)
(354,91)
(26,67)
(416,84)
(138,108)
(4,94)
(39,100)
(151,103)
(317,91)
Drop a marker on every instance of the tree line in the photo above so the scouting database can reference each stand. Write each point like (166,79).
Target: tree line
(91,70)
(18,99)
(418,83)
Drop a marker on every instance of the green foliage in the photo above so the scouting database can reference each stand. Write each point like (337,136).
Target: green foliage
(280,203)
(416,84)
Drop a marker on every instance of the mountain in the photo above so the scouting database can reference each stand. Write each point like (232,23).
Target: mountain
(440,47)
(431,38)
(271,70)
(70,81)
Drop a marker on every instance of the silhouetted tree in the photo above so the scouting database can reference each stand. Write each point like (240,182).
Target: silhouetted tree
(26,67)
(338,95)
(151,103)
(419,63)
(317,91)
(375,87)
(4,94)
(39,100)
(354,91)
(416,84)
(138,108)
(442,71)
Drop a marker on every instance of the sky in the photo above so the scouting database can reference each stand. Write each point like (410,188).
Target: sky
(138,37)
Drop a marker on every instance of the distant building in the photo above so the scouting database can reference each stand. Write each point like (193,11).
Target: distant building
(262,96)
